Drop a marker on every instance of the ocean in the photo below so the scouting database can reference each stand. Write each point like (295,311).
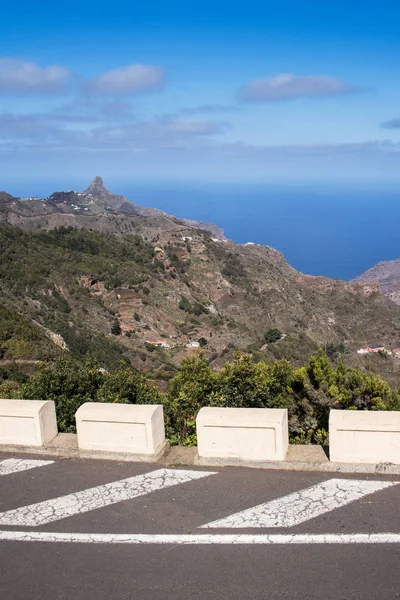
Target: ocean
(324,229)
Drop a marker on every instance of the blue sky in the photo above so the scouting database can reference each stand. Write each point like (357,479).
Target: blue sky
(296,90)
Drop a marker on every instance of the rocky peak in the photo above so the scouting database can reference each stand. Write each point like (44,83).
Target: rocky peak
(96,184)
(121,204)
(5,198)
(100,192)
(96,187)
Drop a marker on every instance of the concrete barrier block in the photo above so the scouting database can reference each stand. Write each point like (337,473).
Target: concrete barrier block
(121,428)
(244,434)
(27,422)
(361,436)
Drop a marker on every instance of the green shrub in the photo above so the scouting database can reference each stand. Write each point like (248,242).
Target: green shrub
(116,327)
(273,335)
(67,383)
(70,384)
(308,392)
(195,309)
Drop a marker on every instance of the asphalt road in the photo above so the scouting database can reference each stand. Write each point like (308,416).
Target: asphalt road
(111,542)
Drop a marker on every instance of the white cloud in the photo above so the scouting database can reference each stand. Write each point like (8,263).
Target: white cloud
(392,124)
(75,130)
(22,77)
(210,108)
(289,87)
(127,80)
(17,76)
(158,133)
(195,128)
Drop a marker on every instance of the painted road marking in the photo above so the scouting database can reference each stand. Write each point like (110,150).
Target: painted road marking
(16,465)
(303,505)
(200,539)
(97,497)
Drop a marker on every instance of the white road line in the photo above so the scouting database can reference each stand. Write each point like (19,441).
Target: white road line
(97,497)
(302,505)
(15,465)
(198,539)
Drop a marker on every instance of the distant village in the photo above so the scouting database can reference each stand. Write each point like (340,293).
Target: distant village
(164,344)
(376,349)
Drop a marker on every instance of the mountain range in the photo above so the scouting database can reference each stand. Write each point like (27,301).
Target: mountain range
(95,275)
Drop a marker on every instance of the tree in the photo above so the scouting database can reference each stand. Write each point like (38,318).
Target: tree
(116,328)
(203,342)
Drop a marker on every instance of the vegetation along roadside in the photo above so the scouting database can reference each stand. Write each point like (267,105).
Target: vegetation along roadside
(308,392)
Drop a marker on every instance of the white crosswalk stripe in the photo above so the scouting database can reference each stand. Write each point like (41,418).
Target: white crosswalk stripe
(303,505)
(98,497)
(16,465)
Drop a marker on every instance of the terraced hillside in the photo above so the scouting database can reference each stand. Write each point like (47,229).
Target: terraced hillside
(112,282)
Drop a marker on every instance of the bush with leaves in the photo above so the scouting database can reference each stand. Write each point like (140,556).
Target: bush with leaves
(116,327)
(124,385)
(70,384)
(307,392)
(188,392)
(273,335)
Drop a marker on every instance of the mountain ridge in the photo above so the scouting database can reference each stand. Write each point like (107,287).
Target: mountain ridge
(386,276)
(96,200)
(80,269)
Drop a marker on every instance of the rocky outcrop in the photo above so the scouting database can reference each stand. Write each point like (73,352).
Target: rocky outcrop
(6,198)
(98,191)
(56,338)
(386,276)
